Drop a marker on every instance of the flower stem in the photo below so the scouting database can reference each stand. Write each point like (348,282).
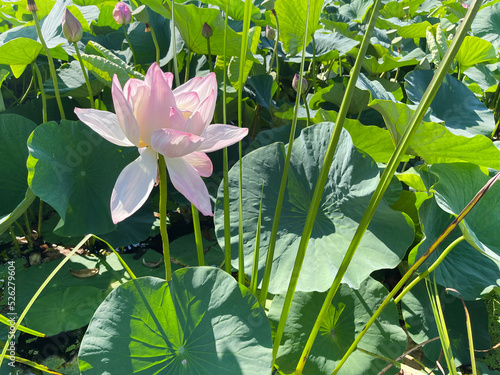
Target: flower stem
(14,241)
(197,235)
(85,75)
(174,45)
(163,216)
(307,110)
(51,64)
(210,64)
(129,45)
(42,91)
(40,218)
(157,47)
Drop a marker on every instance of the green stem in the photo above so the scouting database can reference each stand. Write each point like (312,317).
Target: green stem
(307,110)
(188,63)
(273,56)
(174,58)
(40,218)
(197,235)
(227,213)
(313,70)
(277,58)
(255,267)
(390,169)
(51,65)
(14,241)
(424,274)
(241,79)
(85,75)
(129,45)
(163,216)
(155,41)
(42,91)
(281,195)
(210,63)
(28,89)
(28,229)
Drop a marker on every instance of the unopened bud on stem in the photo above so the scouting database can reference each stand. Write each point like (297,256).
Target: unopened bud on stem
(207,31)
(32,6)
(270,33)
(295,83)
(122,14)
(71,27)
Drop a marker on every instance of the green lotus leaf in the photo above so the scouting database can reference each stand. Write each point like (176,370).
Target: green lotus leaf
(473,51)
(388,62)
(355,10)
(74,170)
(14,132)
(201,322)
(347,315)
(434,142)
(421,326)
(464,268)
(457,185)
(486,24)
(454,103)
(292,22)
(352,179)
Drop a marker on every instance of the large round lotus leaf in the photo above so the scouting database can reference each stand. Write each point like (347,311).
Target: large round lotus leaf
(421,325)
(346,317)
(457,184)
(14,132)
(351,182)
(454,103)
(486,24)
(464,268)
(202,322)
(74,170)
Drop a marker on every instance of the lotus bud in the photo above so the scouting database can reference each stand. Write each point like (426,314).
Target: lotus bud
(71,27)
(32,6)
(270,33)
(207,31)
(295,83)
(122,14)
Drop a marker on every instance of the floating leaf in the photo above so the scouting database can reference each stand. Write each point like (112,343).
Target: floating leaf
(347,315)
(201,322)
(352,179)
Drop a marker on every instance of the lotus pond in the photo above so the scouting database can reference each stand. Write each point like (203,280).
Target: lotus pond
(250,187)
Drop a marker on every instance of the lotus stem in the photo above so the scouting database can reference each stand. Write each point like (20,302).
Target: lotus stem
(129,45)
(197,235)
(163,216)
(85,75)
(51,64)
(14,241)
(42,91)
(157,47)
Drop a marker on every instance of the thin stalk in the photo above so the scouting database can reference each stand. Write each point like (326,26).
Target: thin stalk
(157,47)
(210,63)
(273,56)
(188,63)
(28,89)
(307,110)
(163,216)
(28,229)
(277,58)
(243,54)
(313,70)
(14,241)
(21,229)
(35,296)
(318,193)
(40,218)
(197,235)
(441,326)
(255,267)
(430,269)
(120,259)
(469,333)
(415,266)
(393,162)
(85,75)
(42,91)
(129,45)
(225,167)
(174,45)
(51,64)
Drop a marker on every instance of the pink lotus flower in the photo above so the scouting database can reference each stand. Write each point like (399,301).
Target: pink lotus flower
(157,120)
(122,14)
